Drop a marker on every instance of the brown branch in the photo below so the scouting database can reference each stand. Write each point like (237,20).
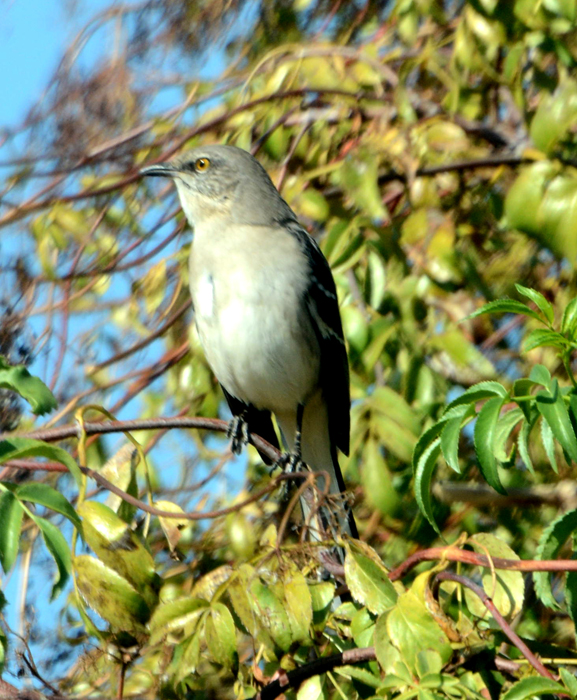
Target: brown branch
(453,554)
(503,624)
(294,678)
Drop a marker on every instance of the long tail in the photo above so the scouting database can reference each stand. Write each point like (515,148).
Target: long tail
(317,451)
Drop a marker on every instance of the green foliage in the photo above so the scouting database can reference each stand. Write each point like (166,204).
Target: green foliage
(430,148)
(31,388)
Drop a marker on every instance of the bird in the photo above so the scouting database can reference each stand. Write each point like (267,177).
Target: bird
(267,313)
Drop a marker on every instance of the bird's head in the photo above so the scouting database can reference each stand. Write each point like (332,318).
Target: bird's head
(226,182)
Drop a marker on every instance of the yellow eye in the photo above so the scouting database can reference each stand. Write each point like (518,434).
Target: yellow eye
(201,165)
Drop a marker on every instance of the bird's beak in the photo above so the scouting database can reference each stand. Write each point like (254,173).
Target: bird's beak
(159,170)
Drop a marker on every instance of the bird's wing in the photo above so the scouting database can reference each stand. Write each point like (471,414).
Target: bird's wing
(322,307)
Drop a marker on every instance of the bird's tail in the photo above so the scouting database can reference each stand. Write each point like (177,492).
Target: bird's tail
(333,517)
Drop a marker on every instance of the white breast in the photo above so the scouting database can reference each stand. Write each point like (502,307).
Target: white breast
(247,289)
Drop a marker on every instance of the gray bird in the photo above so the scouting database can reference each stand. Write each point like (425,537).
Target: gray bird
(266,309)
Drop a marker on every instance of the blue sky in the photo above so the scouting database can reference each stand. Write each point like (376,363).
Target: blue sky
(33,35)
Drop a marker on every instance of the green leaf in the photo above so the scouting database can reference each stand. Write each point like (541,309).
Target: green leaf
(298,604)
(45,495)
(114,543)
(58,548)
(368,578)
(571,593)
(312,689)
(376,479)
(539,300)
(16,447)
(552,539)
(322,594)
(11,513)
(549,444)
(569,680)
(363,627)
(175,615)
(412,628)
(505,588)
(424,442)
(450,438)
(110,595)
(541,375)
(531,687)
(423,473)
(505,426)
(521,389)
(505,306)
(553,409)
(478,392)
(18,378)
(544,337)
(523,444)
(189,659)
(569,320)
(221,635)
(484,439)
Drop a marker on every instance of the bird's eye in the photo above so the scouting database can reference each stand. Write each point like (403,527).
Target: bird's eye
(201,165)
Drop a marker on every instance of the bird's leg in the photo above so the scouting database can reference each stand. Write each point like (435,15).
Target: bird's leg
(237,432)
(291,462)
(295,458)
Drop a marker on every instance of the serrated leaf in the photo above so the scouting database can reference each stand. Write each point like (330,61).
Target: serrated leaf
(221,635)
(505,588)
(541,375)
(58,548)
(505,426)
(484,439)
(359,674)
(569,320)
(551,542)
(505,306)
(298,604)
(423,474)
(174,616)
(523,445)
(45,495)
(363,627)
(553,409)
(531,687)
(113,541)
(172,527)
(450,443)
(412,628)
(539,300)
(33,390)
(549,444)
(571,593)
(478,392)
(569,680)
(367,577)
(322,594)
(190,657)
(312,689)
(11,513)
(541,337)
(387,655)
(16,447)
(110,595)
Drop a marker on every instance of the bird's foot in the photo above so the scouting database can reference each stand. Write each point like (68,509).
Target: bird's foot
(289,463)
(237,433)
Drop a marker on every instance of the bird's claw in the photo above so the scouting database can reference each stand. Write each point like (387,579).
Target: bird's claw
(289,463)
(237,433)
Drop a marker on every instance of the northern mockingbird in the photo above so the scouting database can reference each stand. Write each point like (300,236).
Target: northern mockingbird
(266,309)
